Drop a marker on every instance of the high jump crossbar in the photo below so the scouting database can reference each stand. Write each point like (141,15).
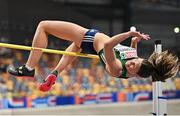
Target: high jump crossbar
(28,48)
(159,101)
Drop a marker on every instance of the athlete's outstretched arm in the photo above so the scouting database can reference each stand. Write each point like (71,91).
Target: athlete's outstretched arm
(111,61)
(123,36)
(109,45)
(135,40)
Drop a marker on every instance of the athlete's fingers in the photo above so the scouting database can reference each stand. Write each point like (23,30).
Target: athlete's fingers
(146,37)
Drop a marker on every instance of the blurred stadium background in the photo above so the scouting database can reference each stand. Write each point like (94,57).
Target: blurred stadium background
(84,87)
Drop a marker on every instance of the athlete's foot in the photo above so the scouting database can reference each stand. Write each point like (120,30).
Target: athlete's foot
(21,71)
(48,82)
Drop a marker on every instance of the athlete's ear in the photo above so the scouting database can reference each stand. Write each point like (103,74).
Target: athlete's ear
(133,63)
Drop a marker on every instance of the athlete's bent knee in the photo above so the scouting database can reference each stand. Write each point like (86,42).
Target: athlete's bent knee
(43,24)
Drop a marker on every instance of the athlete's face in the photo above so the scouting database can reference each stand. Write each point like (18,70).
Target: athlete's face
(133,66)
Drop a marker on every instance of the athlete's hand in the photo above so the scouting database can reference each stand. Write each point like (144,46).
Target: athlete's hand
(139,36)
(136,39)
(145,36)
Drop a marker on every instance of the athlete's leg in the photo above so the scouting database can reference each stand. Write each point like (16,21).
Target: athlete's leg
(65,60)
(64,30)
(60,29)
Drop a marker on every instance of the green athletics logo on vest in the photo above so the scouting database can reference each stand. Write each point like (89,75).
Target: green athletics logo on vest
(122,55)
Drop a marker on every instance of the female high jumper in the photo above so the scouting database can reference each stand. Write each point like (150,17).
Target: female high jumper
(119,61)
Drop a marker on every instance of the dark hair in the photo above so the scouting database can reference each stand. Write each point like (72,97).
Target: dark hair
(146,69)
(165,65)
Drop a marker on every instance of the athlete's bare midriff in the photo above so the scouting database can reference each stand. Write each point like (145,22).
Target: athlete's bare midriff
(99,40)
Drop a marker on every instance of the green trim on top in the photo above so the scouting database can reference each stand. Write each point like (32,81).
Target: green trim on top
(102,59)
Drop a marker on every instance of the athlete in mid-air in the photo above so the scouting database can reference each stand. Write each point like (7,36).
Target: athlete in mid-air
(119,61)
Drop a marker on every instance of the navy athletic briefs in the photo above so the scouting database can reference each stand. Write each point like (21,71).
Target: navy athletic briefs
(87,43)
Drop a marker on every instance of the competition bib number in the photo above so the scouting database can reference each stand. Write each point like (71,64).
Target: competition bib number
(126,52)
